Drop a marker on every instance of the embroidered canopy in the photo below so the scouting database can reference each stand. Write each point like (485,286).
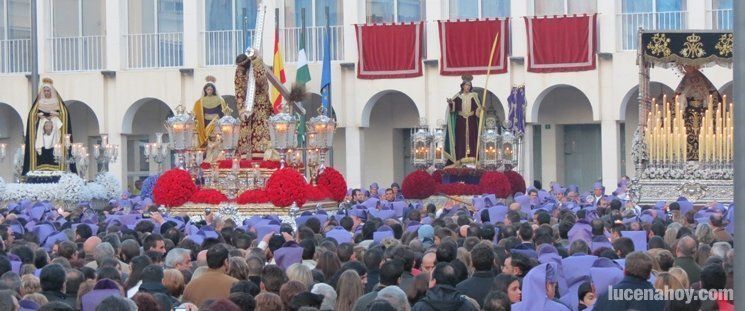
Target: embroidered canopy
(700,48)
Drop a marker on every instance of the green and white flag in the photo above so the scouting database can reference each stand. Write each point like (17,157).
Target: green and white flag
(303,73)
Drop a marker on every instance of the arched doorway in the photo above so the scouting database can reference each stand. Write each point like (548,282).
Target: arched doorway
(141,121)
(388,118)
(11,135)
(566,140)
(494,107)
(85,129)
(630,121)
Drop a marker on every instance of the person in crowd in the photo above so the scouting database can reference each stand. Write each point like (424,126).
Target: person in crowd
(215,283)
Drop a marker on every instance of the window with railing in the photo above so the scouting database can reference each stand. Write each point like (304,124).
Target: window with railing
(399,11)
(229,27)
(649,14)
(473,9)
(562,7)
(312,14)
(15,36)
(77,41)
(155,36)
(720,16)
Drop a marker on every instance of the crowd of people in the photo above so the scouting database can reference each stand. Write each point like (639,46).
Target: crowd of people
(542,250)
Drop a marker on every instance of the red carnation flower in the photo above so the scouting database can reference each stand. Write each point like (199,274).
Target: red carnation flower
(253,196)
(418,185)
(333,182)
(174,188)
(496,183)
(286,186)
(517,182)
(208,196)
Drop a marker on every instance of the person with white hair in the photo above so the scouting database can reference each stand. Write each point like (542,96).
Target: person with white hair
(328,293)
(720,249)
(178,258)
(396,297)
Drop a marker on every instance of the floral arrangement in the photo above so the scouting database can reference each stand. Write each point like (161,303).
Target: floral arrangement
(208,196)
(458,189)
(253,196)
(462,172)
(493,182)
(418,185)
(333,182)
(517,182)
(147,186)
(174,188)
(437,176)
(285,187)
(110,183)
(316,193)
(69,189)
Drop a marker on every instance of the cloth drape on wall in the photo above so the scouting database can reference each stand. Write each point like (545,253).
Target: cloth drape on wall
(566,43)
(389,50)
(465,46)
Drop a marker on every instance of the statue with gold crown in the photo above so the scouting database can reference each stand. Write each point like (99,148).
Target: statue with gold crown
(463,125)
(694,91)
(47,128)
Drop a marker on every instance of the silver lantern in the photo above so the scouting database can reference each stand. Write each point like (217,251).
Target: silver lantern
(421,148)
(438,146)
(181,130)
(490,149)
(283,133)
(509,152)
(320,135)
(229,128)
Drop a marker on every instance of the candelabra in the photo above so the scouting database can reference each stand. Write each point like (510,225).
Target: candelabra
(79,156)
(421,148)
(18,162)
(156,152)
(105,153)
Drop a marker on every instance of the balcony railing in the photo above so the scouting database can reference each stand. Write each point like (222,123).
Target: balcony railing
(155,50)
(222,46)
(721,19)
(78,53)
(314,37)
(630,23)
(15,56)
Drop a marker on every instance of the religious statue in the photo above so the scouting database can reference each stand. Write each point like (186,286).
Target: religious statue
(254,137)
(464,116)
(208,110)
(46,130)
(693,92)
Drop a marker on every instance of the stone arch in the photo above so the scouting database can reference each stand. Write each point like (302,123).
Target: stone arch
(656,90)
(385,138)
(147,104)
(387,96)
(564,99)
(11,134)
(494,106)
(727,89)
(85,127)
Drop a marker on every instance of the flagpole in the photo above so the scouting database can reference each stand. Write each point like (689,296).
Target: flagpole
(327,49)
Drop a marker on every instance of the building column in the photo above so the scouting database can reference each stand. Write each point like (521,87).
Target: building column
(610,137)
(697,14)
(118,168)
(191,33)
(549,154)
(116,46)
(44,27)
(526,159)
(353,141)
(353,14)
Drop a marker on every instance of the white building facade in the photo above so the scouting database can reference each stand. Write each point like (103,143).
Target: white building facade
(123,66)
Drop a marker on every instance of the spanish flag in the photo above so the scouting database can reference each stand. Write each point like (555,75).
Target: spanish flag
(278,66)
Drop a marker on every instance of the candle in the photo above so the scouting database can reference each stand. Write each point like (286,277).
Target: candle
(68,139)
(147,150)
(104,140)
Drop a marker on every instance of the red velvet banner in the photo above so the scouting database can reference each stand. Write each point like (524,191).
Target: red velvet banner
(565,43)
(389,51)
(465,46)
